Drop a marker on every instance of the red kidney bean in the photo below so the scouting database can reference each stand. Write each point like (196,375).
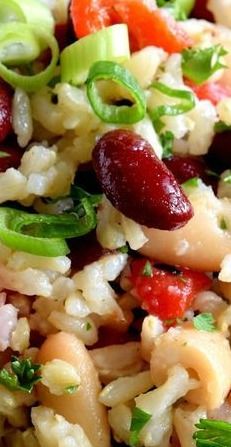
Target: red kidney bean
(185,168)
(137,183)
(5,110)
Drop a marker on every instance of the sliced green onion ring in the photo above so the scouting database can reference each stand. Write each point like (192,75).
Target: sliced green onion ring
(43,234)
(11,12)
(187,104)
(18,44)
(30,244)
(35,82)
(106,70)
(111,44)
(78,222)
(33,12)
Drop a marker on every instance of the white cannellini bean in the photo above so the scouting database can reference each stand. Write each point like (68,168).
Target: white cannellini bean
(205,245)
(83,407)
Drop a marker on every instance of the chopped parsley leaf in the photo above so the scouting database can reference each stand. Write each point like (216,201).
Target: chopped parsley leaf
(227,178)
(88,326)
(167,139)
(191,183)
(71,389)
(223,224)
(222,127)
(204,322)
(212,433)
(123,249)
(139,420)
(23,376)
(198,64)
(147,270)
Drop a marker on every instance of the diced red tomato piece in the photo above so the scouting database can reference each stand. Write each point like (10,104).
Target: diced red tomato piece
(166,293)
(213,91)
(147,25)
(89,16)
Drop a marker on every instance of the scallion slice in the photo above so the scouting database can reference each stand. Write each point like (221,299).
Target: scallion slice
(43,234)
(10,12)
(18,44)
(34,82)
(34,12)
(110,113)
(13,238)
(111,43)
(187,103)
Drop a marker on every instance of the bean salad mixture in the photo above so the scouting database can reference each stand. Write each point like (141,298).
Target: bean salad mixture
(115,223)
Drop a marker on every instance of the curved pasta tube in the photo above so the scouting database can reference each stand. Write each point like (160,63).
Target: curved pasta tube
(124,389)
(82,407)
(120,418)
(116,361)
(184,420)
(151,328)
(158,403)
(191,245)
(206,355)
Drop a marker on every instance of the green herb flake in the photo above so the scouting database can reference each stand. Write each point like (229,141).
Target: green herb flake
(23,376)
(71,389)
(123,249)
(191,183)
(174,8)
(227,178)
(139,419)
(212,433)
(147,270)
(198,64)
(223,224)
(4,154)
(88,326)
(222,127)
(167,139)
(204,322)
